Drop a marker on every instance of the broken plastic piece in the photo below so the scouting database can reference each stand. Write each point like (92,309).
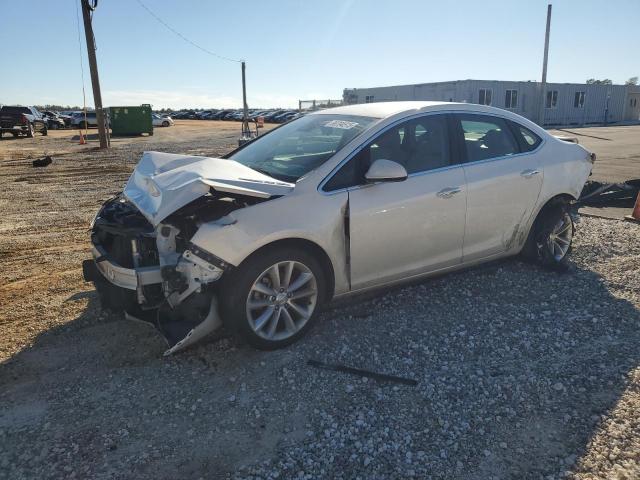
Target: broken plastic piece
(211,323)
(363,373)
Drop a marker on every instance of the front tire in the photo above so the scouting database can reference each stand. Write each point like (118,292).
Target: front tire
(45,131)
(30,131)
(272,298)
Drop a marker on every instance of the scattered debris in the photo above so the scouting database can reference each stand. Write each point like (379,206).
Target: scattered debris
(42,162)
(598,194)
(364,373)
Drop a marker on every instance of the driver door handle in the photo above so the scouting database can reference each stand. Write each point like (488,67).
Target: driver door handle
(448,192)
(529,173)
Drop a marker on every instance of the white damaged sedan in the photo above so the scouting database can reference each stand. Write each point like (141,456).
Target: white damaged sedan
(333,203)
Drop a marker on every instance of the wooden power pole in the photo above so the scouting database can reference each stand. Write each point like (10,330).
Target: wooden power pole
(93,67)
(246,133)
(543,83)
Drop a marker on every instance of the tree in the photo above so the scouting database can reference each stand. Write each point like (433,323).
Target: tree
(632,81)
(593,81)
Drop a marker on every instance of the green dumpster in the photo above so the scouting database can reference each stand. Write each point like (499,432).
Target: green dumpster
(131,120)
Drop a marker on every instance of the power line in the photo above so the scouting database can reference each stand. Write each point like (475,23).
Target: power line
(169,27)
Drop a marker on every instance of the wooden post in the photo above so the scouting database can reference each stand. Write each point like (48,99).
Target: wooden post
(93,67)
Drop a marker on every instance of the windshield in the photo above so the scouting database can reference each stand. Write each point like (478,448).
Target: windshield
(293,150)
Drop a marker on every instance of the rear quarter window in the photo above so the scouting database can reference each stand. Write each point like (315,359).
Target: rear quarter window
(527,140)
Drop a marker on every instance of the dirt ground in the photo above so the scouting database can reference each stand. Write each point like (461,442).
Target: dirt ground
(522,373)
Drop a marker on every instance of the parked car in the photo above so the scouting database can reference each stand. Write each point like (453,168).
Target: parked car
(54,120)
(79,120)
(66,118)
(337,202)
(22,121)
(220,114)
(272,115)
(289,116)
(284,116)
(229,115)
(161,121)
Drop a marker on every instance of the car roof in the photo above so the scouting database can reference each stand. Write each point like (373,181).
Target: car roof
(388,109)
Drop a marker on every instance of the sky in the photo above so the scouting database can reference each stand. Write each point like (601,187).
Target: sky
(303,49)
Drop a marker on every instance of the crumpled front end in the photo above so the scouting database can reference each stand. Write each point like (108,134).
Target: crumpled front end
(156,274)
(144,263)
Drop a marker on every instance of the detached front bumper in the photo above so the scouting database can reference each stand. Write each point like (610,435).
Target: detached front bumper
(185,314)
(129,278)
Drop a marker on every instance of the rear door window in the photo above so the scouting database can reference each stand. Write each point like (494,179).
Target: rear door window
(486,137)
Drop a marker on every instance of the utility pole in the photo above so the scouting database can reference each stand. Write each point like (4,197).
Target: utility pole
(93,67)
(543,84)
(246,133)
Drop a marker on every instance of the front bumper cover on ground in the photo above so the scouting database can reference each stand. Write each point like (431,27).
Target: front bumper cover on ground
(178,337)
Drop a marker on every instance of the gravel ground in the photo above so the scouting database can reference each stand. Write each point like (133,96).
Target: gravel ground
(522,373)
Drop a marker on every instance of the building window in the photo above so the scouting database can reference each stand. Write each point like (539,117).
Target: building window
(368,99)
(552,99)
(511,99)
(578,100)
(484,96)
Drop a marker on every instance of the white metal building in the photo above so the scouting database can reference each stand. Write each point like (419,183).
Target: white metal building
(565,103)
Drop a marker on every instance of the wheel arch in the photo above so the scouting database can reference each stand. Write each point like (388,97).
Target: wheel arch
(556,199)
(307,245)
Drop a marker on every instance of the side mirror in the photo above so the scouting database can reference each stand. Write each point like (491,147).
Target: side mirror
(385,171)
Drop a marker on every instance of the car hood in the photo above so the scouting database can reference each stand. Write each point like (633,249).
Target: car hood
(163,182)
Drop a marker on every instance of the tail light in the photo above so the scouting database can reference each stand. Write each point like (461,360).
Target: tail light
(23,119)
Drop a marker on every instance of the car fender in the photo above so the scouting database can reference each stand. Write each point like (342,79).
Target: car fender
(313,217)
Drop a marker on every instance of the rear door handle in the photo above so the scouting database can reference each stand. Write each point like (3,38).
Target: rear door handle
(529,173)
(449,192)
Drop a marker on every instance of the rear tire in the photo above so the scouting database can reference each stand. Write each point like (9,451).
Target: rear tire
(165,124)
(45,131)
(550,239)
(270,314)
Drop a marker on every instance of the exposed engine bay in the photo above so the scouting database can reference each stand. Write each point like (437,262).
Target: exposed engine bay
(179,295)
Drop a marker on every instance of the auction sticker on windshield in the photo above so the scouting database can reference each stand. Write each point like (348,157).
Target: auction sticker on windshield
(343,124)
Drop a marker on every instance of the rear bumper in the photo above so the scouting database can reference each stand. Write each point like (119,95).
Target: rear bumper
(13,128)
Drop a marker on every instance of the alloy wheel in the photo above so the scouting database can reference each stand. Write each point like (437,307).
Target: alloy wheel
(282,300)
(559,239)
